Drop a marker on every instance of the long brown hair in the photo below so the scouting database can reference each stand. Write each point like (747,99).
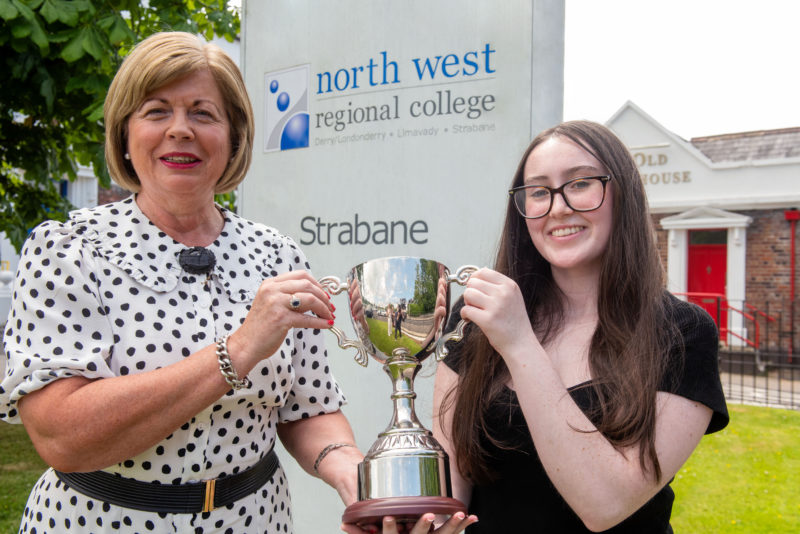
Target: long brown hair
(627,356)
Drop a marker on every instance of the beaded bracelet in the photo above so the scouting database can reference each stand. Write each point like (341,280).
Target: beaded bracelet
(226,366)
(324,452)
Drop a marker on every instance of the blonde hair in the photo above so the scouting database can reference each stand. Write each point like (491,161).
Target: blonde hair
(157,61)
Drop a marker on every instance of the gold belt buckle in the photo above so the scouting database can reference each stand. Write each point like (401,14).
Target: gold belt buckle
(208,503)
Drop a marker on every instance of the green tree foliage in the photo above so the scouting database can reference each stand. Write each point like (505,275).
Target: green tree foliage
(58,59)
(425,288)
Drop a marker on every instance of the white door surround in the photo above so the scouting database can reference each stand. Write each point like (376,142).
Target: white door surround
(706,218)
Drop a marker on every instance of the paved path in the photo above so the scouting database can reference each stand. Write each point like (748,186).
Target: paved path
(762,390)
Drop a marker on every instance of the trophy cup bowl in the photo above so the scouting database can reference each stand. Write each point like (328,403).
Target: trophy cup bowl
(399,306)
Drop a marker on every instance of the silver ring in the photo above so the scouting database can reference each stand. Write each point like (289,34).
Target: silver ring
(294,302)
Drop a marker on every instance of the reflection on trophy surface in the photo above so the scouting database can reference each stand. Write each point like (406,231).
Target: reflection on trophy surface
(399,307)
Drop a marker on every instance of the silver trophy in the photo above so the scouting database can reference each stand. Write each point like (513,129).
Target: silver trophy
(399,307)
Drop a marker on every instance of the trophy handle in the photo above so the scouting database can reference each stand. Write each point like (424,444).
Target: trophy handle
(460,277)
(334,286)
(344,343)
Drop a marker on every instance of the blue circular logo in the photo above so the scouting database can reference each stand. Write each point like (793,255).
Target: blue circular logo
(283,101)
(295,133)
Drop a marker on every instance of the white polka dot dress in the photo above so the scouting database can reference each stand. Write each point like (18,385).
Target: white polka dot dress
(103,295)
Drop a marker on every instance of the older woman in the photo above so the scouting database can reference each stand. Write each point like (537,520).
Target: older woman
(158,345)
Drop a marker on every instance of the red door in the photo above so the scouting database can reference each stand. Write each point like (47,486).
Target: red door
(707,274)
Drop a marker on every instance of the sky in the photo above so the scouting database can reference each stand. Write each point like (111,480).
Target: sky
(697,67)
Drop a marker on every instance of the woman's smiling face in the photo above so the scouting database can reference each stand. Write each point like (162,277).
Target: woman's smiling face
(568,239)
(179,138)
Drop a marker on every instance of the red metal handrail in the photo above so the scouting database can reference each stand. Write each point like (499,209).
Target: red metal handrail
(754,344)
(723,301)
(763,314)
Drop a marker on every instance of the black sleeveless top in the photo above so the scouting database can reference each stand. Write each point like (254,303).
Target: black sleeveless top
(522,498)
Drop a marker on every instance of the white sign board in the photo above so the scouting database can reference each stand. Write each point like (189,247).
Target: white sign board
(388,129)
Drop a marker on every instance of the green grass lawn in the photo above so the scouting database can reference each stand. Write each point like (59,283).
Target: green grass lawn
(744,479)
(384,343)
(20,468)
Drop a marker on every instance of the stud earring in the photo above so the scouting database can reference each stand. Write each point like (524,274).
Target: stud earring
(127,156)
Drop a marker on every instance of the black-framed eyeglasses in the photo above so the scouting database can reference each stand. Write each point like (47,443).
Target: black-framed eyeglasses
(580,194)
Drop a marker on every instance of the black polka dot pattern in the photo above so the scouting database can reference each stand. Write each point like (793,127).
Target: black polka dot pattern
(102,295)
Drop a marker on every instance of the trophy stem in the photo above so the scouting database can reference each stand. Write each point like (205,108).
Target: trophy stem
(402,368)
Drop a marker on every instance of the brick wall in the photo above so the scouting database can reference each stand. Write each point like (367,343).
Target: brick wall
(769,277)
(768,256)
(661,238)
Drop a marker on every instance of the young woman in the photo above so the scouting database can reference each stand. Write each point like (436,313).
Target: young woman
(581,386)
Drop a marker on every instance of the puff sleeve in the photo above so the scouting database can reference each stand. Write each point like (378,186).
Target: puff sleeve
(58,325)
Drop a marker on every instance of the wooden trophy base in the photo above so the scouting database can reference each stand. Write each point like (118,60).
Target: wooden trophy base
(403,509)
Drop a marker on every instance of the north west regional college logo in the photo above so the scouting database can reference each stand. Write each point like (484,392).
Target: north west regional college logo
(287,120)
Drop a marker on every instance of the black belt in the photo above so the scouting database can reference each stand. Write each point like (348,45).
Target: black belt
(173,498)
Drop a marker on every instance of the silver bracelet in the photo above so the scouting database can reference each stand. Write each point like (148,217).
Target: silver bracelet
(226,366)
(324,452)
